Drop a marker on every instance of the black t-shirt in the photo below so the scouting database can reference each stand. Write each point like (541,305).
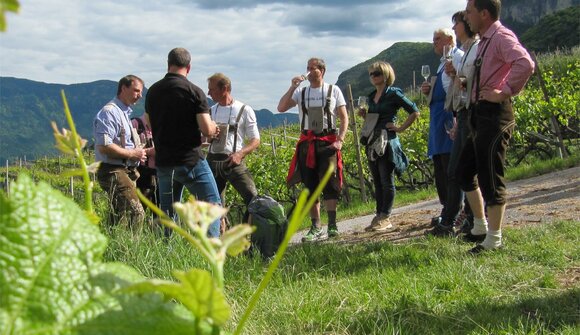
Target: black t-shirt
(173,104)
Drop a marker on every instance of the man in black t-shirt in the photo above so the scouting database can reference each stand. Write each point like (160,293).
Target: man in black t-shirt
(178,113)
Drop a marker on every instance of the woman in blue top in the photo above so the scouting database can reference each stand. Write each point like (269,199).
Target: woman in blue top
(383,148)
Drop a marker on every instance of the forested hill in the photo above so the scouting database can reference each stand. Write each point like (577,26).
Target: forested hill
(27,108)
(405,57)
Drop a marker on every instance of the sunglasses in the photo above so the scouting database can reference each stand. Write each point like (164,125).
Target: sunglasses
(375,74)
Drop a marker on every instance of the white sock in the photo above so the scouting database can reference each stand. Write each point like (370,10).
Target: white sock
(492,239)
(479,226)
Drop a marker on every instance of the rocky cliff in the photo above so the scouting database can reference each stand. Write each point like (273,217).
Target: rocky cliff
(520,15)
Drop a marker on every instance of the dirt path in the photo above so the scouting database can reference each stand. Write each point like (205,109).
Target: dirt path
(542,199)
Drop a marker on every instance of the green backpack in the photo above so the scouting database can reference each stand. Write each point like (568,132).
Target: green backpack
(267,215)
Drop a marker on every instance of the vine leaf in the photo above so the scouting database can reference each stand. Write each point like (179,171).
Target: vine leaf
(196,291)
(54,282)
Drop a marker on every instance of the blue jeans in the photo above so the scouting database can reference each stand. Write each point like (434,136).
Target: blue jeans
(198,180)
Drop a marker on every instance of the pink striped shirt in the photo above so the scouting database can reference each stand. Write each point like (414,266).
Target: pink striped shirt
(507,65)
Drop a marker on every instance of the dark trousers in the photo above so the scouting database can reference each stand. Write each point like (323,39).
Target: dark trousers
(482,162)
(119,183)
(384,181)
(239,176)
(440,167)
(325,155)
(147,184)
(455,196)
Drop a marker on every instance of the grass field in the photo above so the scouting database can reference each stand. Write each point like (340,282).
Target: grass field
(428,286)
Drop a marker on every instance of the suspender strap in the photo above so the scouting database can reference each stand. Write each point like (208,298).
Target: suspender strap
(304,109)
(478,63)
(327,108)
(237,123)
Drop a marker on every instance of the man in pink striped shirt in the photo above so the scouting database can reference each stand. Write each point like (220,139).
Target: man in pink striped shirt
(502,68)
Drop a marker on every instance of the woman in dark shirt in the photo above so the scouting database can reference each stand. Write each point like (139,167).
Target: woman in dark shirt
(386,158)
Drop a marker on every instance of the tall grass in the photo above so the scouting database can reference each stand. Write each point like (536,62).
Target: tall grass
(428,286)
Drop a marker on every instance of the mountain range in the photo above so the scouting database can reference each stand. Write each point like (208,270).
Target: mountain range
(27,107)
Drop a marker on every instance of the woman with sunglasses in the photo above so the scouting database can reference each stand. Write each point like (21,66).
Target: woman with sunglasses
(382,146)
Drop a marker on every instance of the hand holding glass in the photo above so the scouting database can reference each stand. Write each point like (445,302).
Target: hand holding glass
(296,81)
(449,125)
(463,88)
(362,104)
(425,71)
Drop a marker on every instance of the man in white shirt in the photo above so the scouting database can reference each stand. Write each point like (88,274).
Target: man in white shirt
(238,137)
(321,105)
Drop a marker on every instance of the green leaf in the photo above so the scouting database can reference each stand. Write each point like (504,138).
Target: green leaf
(235,240)
(196,291)
(53,280)
(7,6)
(198,214)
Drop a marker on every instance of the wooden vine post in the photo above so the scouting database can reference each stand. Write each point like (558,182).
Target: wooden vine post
(356,144)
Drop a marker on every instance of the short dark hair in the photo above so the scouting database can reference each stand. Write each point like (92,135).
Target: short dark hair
(492,6)
(460,17)
(179,57)
(128,81)
(320,63)
(221,80)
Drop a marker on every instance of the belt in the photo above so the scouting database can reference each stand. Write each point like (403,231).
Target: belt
(217,156)
(116,166)
(323,133)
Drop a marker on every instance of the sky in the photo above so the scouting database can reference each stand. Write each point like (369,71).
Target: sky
(259,44)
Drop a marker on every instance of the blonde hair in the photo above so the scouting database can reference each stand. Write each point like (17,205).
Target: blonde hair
(447,33)
(386,69)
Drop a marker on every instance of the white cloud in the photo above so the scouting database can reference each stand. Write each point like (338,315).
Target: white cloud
(259,44)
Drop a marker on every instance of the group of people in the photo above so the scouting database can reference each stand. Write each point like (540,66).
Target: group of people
(472,91)
(178,115)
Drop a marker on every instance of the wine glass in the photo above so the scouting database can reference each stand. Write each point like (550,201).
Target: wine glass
(362,104)
(425,71)
(447,52)
(463,87)
(449,125)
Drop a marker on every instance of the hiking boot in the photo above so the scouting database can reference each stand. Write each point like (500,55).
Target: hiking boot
(332,231)
(441,230)
(466,225)
(378,224)
(435,221)
(469,237)
(384,223)
(374,223)
(478,249)
(315,234)
(459,221)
